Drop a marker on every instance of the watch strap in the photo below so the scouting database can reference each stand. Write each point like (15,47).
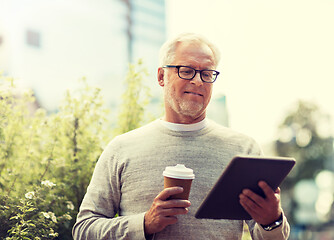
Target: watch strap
(274,224)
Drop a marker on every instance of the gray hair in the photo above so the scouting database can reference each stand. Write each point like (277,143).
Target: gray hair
(167,50)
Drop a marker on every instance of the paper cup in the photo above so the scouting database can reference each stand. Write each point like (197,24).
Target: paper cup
(179,176)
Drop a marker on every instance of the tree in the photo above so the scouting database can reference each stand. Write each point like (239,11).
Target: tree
(135,98)
(305,134)
(47,160)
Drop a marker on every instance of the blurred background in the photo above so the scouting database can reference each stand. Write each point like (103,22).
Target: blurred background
(276,81)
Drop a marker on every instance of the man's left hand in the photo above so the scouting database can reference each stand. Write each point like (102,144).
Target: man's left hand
(263,210)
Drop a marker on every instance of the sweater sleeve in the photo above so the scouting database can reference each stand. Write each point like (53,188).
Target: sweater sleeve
(101,203)
(280,233)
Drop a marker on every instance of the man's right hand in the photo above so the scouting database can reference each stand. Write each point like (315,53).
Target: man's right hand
(163,212)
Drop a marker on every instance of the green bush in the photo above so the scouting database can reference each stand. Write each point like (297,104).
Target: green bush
(46,160)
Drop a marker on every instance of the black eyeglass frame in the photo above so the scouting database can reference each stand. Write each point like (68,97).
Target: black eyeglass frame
(196,71)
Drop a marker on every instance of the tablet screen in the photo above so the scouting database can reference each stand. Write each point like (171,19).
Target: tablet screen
(242,172)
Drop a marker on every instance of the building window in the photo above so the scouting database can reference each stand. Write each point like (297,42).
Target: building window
(33,38)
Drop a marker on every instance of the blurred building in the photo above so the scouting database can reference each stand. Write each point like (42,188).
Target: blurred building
(217,110)
(48,45)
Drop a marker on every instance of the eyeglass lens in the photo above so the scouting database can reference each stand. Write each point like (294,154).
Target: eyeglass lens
(189,73)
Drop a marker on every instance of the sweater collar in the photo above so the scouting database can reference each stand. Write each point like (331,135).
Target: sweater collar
(178,127)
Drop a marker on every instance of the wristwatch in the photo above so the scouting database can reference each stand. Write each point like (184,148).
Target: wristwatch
(273,225)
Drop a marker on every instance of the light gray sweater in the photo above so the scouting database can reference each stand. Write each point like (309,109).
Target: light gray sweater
(128,176)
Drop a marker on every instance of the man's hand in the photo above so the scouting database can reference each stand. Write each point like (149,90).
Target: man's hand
(263,210)
(163,212)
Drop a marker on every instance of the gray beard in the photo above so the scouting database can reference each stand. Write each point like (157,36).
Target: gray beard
(187,108)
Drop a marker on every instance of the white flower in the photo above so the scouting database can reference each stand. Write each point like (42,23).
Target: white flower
(69,205)
(50,215)
(53,233)
(53,217)
(47,183)
(46,215)
(67,216)
(30,195)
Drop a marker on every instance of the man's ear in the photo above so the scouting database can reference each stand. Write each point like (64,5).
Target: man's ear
(161,74)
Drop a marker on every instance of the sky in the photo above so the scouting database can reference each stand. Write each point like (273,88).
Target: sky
(274,53)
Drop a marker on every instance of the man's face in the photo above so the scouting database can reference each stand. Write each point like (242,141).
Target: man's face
(186,100)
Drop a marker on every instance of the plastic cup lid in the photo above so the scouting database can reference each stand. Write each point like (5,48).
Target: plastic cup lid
(179,171)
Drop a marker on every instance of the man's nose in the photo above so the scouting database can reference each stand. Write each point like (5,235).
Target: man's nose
(197,79)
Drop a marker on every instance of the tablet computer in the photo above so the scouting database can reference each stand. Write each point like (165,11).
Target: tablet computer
(222,202)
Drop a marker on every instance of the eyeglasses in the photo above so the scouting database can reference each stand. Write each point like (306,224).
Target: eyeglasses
(189,73)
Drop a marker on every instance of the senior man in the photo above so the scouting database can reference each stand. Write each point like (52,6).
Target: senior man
(128,178)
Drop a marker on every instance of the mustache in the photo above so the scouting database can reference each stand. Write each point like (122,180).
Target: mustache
(196,91)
